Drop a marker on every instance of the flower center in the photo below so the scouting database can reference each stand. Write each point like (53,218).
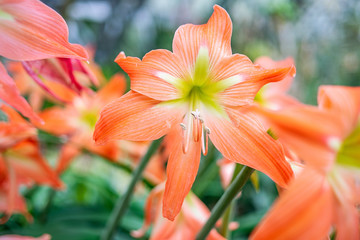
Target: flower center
(6,16)
(349,151)
(200,92)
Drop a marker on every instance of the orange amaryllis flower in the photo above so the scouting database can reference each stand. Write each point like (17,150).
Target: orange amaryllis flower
(21,161)
(326,193)
(11,95)
(77,122)
(195,92)
(186,225)
(30,30)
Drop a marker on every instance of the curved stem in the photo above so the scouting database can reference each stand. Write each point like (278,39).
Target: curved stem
(123,202)
(225,200)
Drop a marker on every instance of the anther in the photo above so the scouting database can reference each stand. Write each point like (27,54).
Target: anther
(183,126)
(207,130)
(205,140)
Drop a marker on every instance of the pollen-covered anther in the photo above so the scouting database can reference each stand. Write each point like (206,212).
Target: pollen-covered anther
(205,139)
(197,124)
(183,126)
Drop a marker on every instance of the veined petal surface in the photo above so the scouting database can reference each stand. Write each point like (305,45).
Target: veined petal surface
(31,30)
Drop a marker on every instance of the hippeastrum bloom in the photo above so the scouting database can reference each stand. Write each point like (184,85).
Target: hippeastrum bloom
(30,30)
(186,225)
(326,192)
(21,161)
(195,92)
(76,121)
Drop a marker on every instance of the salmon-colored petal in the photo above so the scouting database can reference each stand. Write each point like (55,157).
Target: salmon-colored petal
(18,237)
(181,172)
(10,199)
(113,89)
(277,101)
(150,76)
(11,95)
(58,70)
(56,121)
(152,211)
(67,153)
(347,221)
(15,130)
(343,100)
(28,163)
(13,133)
(308,131)
(245,141)
(283,85)
(254,80)
(215,35)
(135,117)
(304,211)
(31,30)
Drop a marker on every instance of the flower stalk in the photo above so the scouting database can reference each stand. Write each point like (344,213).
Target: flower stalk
(123,202)
(225,201)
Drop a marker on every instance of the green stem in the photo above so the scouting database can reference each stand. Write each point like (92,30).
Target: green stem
(225,200)
(228,215)
(226,219)
(123,202)
(45,211)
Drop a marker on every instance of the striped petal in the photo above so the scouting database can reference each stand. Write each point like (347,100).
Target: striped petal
(30,30)
(181,172)
(11,95)
(250,79)
(135,117)
(310,132)
(245,141)
(343,100)
(304,211)
(215,35)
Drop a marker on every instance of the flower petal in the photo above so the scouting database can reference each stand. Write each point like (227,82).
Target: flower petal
(153,76)
(304,211)
(19,237)
(308,131)
(113,89)
(253,79)
(33,31)
(55,117)
(11,95)
(215,35)
(28,163)
(283,85)
(343,100)
(181,172)
(246,142)
(347,222)
(135,117)
(67,153)
(152,211)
